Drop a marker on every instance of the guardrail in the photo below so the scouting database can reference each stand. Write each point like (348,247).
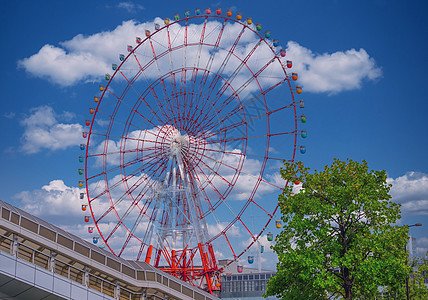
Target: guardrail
(44,245)
(77,274)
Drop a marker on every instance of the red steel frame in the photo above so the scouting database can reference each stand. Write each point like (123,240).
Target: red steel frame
(181,263)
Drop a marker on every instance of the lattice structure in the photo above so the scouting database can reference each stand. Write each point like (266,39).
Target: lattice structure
(185,143)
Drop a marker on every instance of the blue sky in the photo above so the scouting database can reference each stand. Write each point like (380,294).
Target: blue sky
(361,66)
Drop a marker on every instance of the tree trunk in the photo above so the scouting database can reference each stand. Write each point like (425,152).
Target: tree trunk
(347,284)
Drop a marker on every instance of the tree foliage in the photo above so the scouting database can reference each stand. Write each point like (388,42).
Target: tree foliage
(337,240)
(417,281)
(418,278)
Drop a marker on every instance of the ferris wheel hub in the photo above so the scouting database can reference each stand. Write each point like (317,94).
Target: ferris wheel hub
(179,144)
(194,123)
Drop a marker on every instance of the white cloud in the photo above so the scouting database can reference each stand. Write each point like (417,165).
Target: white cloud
(54,201)
(332,73)
(233,231)
(9,115)
(43,131)
(421,246)
(411,190)
(130,6)
(89,57)
(83,57)
(61,67)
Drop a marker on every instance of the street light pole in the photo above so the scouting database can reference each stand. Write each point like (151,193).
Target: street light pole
(405,249)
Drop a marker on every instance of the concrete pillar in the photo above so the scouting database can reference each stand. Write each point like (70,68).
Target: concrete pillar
(143,295)
(51,265)
(85,279)
(14,245)
(117,291)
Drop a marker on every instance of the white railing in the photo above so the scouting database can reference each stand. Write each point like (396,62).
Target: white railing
(80,275)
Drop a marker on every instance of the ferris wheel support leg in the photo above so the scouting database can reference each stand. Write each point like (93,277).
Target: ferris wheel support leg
(259,258)
(205,264)
(173,265)
(149,254)
(206,252)
(191,202)
(158,255)
(213,260)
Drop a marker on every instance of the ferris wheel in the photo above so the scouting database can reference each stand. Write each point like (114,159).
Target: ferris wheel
(185,142)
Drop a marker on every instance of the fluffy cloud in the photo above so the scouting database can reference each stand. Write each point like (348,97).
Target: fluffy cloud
(422,246)
(411,190)
(233,232)
(54,201)
(89,57)
(61,67)
(83,57)
(130,6)
(332,73)
(43,131)
(60,205)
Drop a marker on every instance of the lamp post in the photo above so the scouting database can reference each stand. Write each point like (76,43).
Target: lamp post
(405,249)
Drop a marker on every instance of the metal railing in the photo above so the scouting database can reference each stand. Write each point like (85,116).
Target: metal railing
(48,260)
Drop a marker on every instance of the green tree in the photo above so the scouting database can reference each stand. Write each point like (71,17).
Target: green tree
(418,278)
(337,240)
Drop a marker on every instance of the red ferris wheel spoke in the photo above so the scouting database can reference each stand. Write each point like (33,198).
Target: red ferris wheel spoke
(142,212)
(112,206)
(261,207)
(214,188)
(131,231)
(243,86)
(130,234)
(236,169)
(122,102)
(262,157)
(192,126)
(217,77)
(238,69)
(246,173)
(147,234)
(220,141)
(228,242)
(215,172)
(216,46)
(207,70)
(202,191)
(245,226)
(230,79)
(201,41)
(124,195)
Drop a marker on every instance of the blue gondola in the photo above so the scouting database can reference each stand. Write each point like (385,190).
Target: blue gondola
(250,259)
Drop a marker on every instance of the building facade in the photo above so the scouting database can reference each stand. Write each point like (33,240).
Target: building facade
(246,284)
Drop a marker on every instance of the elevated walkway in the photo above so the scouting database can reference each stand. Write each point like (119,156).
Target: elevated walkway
(41,261)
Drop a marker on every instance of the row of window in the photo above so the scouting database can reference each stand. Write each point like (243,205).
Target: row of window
(243,286)
(247,277)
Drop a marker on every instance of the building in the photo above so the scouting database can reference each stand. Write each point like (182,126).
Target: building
(411,247)
(248,284)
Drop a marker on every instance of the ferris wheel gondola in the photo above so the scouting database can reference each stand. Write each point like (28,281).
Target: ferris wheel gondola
(186,136)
